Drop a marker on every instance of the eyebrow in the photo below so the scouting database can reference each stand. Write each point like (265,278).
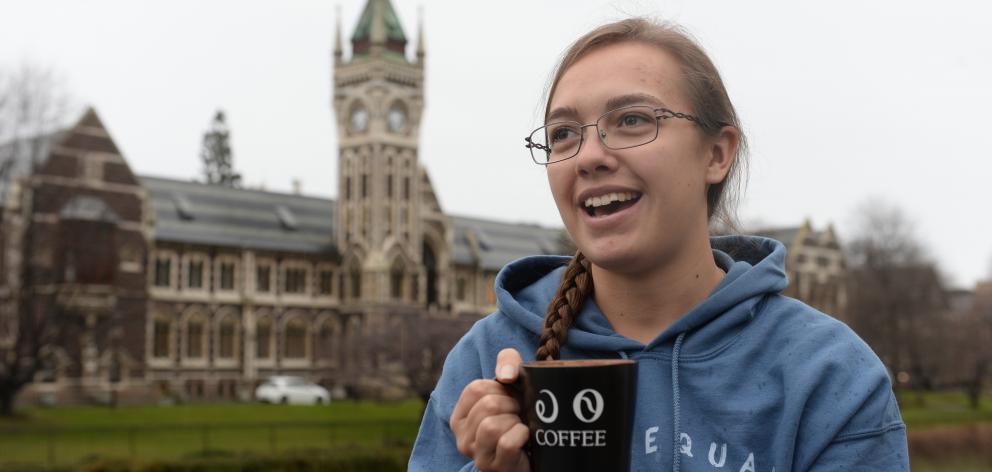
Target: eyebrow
(633,99)
(611,104)
(561,112)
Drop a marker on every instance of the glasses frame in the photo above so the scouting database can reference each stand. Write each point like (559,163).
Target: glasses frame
(659,114)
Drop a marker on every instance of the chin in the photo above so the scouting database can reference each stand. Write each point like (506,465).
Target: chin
(614,260)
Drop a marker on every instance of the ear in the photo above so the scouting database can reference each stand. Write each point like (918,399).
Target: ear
(721,154)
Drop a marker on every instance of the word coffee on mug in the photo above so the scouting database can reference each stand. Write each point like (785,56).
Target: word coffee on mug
(580,413)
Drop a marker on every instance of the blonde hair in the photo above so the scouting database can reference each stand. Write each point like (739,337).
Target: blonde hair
(710,104)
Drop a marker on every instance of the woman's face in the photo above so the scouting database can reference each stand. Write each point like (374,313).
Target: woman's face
(667,177)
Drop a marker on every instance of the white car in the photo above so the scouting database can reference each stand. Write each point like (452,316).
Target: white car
(292,390)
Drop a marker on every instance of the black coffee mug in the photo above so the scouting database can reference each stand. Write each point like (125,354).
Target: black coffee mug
(580,413)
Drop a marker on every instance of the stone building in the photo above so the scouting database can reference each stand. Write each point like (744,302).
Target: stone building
(163,288)
(815,265)
(167,288)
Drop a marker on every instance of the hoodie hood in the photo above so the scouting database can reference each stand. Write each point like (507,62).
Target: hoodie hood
(754,267)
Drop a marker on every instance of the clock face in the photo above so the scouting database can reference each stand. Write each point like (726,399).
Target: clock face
(359,119)
(397,119)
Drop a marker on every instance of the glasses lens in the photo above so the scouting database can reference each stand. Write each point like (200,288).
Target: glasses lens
(563,139)
(628,127)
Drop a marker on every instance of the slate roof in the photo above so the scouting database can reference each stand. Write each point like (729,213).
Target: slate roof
(197,213)
(191,212)
(499,242)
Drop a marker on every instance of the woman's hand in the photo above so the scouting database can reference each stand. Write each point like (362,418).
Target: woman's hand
(486,420)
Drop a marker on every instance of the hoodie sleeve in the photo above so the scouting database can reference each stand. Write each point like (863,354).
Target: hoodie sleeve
(880,448)
(435,447)
(856,395)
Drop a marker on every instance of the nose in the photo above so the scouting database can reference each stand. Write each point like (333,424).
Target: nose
(593,156)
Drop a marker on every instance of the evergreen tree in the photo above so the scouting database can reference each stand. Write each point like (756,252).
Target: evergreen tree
(218,162)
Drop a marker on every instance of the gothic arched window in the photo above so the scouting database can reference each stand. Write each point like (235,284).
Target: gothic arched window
(295,339)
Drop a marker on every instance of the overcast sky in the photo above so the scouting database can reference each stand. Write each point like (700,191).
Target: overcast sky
(842,100)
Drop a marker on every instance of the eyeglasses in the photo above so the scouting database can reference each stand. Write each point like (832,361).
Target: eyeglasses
(622,128)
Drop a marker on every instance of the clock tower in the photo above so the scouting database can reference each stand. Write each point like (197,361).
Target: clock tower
(383,192)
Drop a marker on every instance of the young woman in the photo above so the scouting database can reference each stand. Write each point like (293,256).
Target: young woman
(641,146)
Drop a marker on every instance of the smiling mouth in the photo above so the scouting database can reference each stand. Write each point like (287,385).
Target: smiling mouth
(610,203)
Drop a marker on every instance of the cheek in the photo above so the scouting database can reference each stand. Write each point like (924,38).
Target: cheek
(676,182)
(560,187)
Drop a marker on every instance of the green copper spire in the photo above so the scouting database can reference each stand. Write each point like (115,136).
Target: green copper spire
(378,28)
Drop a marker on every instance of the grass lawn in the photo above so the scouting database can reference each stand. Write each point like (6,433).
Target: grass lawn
(68,435)
(945,433)
(71,434)
(941,409)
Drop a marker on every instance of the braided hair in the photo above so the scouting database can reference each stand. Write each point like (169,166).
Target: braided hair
(576,285)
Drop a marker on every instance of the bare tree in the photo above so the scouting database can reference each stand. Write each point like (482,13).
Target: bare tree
(34,330)
(973,341)
(969,361)
(418,345)
(896,297)
(431,341)
(32,105)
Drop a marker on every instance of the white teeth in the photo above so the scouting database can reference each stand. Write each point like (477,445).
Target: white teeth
(609,198)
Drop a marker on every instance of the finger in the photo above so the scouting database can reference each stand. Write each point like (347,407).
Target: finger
(508,365)
(487,407)
(472,393)
(510,449)
(489,435)
(464,430)
(492,405)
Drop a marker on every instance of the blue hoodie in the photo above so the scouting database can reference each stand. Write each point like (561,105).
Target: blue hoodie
(749,380)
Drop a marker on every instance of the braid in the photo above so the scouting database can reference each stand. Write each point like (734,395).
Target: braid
(576,285)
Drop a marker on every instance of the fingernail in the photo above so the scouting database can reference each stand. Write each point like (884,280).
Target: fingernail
(507,372)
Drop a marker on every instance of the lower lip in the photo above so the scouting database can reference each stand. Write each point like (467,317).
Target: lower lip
(600,223)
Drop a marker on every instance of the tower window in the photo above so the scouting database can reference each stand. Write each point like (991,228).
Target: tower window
(460,289)
(389,186)
(356,284)
(365,185)
(406,188)
(347,188)
(396,284)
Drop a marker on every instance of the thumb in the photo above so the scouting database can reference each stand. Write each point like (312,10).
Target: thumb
(508,365)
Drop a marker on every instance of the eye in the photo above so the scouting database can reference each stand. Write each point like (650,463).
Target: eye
(562,133)
(629,120)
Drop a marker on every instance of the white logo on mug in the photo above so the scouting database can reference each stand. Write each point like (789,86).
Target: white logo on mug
(541,407)
(588,400)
